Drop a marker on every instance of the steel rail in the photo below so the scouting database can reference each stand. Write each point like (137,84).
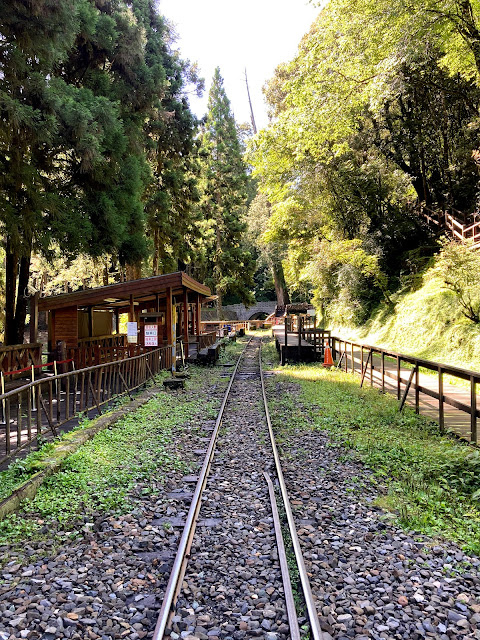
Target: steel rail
(180,563)
(307,591)
(282,556)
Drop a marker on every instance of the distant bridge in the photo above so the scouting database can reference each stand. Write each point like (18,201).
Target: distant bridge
(241,312)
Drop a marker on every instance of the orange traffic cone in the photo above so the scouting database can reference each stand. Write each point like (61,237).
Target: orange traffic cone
(327,358)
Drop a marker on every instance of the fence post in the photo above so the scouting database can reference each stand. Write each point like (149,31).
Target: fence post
(417,390)
(383,371)
(473,410)
(398,377)
(441,413)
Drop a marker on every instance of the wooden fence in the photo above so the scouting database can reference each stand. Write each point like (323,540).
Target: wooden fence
(20,356)
(43,406)
(402,374)
(206,339)
(93,354)
(461,226)
(115,340)
(465,233)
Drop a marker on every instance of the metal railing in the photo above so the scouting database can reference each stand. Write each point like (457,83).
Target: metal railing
(43,406)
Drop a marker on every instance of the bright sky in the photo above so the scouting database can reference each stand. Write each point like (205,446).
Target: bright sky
(253,34)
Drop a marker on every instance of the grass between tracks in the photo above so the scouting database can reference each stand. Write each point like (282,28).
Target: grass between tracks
(432,480)
(103,474)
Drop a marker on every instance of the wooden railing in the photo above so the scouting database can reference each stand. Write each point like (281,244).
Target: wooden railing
(400,373)
(89,356)
(43,406)
(206,339)
(117,340)
(20,356)
(465,233)
(461,226)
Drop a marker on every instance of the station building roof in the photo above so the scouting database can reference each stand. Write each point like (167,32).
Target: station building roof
(117,296)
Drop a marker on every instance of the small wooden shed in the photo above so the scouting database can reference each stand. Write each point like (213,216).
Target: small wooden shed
(170,302)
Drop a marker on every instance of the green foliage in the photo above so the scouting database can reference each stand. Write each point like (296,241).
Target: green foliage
(432,480)
(425,318)
(227,266)
(459,266)
(368,121)
(102,474)
(95,128)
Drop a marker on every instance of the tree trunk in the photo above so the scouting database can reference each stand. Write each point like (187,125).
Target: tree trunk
(105,273)
(11,270)
(280,286)
(468,29)
(155,253)
(22,299)
(219,304)
(133,271)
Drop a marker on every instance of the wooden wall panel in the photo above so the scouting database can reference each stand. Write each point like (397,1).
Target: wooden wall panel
(66,326)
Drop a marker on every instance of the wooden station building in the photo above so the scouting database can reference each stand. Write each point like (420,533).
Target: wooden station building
(165,308)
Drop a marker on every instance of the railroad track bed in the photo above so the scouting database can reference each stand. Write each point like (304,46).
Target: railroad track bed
(233,584)
(109,583)
(370,578)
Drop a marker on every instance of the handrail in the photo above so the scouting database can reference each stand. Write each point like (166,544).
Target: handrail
(46,404)
(378,373)
(412,383)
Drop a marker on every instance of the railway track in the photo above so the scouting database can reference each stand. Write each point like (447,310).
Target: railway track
(232,572)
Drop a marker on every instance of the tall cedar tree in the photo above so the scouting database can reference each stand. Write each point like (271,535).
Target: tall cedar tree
(172,195)
(76,93)
(224,198)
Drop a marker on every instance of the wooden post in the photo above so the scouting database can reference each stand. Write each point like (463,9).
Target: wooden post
(441,412)
(34,317)
(131,311)
(157,303)
(90,322)
(398,377)
(417,390)
(473,410)
(169,316)
(117,320)
(353,357)
(198,311)
(185,321)
(383,371)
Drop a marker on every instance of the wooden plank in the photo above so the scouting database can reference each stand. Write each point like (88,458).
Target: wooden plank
(65,326)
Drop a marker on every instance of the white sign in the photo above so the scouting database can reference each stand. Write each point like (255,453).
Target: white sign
(132,332)
(151,335)
(311,312)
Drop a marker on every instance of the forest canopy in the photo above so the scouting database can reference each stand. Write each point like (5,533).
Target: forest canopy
(374,121)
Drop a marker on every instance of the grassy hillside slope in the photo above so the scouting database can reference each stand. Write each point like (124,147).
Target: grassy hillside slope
(425,321)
